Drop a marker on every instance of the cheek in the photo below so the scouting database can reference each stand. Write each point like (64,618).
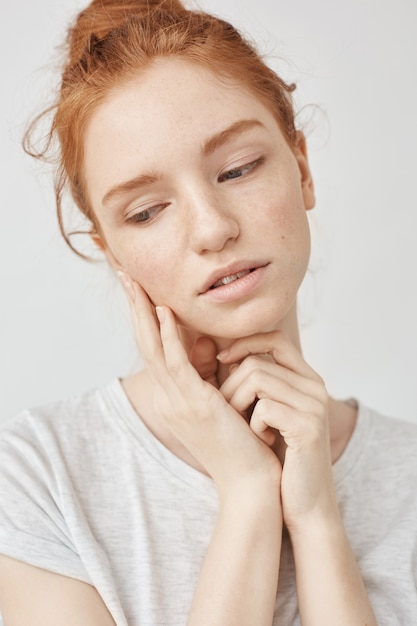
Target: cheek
(287,219)
(146,263)
(289,234)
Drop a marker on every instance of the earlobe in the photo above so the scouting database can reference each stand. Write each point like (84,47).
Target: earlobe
(99,241)
(307,183)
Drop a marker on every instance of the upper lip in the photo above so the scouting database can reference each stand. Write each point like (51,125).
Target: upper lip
(228,270)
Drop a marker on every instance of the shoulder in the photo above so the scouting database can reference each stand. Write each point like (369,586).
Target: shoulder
(389,434)
(78,412)
(46,440)
(52,458)
(381,455)
(375,479)
(382,450)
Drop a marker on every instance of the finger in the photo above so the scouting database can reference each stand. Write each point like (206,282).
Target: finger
(145,324)
(261,384)
(182,380)
(203,358)
(176,358)
(300,431)
(252,370)
(273,343)
(262,429)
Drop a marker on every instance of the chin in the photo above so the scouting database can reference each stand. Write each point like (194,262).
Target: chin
(249,323)
(225,324)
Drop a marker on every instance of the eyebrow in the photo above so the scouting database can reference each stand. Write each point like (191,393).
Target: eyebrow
(211,145)
(143,180)
(218,140)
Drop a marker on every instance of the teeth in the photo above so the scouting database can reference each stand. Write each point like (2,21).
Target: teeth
(229,279)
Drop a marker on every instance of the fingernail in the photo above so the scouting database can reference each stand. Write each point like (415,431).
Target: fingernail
(160,313)
(223,354)
(127,285)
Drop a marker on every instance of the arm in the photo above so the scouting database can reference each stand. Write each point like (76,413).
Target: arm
(329,583)
(238,582)
(292,416)
(29,595)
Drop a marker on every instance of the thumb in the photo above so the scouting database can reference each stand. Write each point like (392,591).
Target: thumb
(203,358)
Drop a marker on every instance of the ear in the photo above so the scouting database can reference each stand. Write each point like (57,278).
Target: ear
(101,244)
(300,152)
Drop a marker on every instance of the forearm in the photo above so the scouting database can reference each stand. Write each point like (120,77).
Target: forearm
(329,583)
(239,578)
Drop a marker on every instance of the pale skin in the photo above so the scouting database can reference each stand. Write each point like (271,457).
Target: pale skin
(215,189)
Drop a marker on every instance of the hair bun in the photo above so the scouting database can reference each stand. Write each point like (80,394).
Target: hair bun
(102,17)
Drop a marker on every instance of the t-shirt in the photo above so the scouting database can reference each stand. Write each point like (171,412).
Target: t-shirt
(87,491)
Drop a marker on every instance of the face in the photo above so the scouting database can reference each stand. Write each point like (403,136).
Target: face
(200,199)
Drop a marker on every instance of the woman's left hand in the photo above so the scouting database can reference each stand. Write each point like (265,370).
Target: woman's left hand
(291,415)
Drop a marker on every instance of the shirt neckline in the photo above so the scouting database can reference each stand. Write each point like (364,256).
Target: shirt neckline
(116,396)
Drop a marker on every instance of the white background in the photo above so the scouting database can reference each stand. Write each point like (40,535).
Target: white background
(63,323)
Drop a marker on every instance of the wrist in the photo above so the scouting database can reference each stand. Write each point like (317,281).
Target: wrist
(252,498)
(317,527)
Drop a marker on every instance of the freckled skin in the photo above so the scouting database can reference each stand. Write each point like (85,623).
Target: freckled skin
(159,122)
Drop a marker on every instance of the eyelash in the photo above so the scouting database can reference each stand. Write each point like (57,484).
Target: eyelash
(249,167)
(151,211)
(241,171)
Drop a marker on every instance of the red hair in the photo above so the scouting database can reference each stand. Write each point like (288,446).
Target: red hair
(111,42)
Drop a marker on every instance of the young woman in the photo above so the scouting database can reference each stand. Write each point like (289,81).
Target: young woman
(219,485)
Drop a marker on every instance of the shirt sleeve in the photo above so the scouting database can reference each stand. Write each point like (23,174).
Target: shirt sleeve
(32,523)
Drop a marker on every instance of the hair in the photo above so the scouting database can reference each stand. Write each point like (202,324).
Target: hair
(112,42)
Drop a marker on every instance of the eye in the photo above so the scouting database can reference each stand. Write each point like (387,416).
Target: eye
(146,215)
(241,171)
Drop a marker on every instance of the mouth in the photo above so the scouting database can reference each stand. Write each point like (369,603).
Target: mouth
(230,274)
(231,278)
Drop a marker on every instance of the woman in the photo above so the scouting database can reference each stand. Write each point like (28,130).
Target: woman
(201,489)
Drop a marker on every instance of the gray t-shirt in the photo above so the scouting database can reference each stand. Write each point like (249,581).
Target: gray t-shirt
(87,491)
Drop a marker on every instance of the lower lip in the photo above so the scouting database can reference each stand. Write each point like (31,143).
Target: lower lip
(239,288)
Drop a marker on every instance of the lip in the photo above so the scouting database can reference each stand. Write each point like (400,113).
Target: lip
(237,288)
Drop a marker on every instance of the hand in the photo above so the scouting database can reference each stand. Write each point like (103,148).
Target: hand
(291,409)
(192,408)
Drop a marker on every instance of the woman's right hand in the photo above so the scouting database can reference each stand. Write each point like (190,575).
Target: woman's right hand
(193,409)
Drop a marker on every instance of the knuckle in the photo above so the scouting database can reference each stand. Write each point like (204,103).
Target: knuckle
(250,363)
(316,410)
(319,390)
(263,408)
(255,378)
(175,368)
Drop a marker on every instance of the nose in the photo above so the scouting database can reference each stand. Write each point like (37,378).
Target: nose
(211,222)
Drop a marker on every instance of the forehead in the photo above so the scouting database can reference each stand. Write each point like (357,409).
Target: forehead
(167,92)
(165,114)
